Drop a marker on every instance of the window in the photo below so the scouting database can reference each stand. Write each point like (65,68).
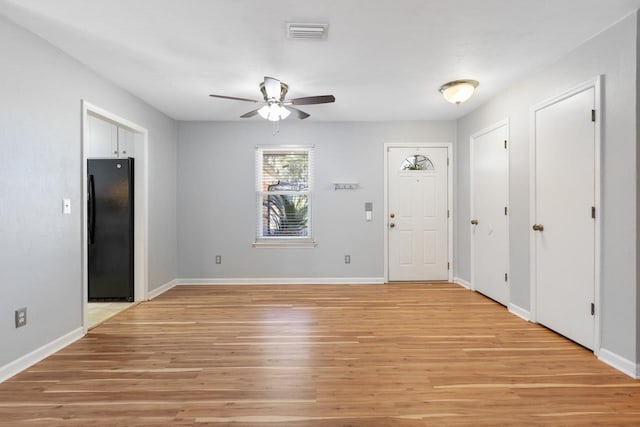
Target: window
(417,162)
(283,193)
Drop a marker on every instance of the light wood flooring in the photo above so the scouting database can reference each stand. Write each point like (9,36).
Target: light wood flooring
(363,355)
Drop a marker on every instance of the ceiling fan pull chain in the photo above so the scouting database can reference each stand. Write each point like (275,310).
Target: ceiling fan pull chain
(276,127)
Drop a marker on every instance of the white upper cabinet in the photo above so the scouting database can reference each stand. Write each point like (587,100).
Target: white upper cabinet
(126,143)
(107,140)
(102,138)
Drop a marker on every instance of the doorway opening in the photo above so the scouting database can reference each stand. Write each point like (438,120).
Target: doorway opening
(137,141)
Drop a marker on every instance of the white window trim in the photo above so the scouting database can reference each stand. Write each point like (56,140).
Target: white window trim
(275,241)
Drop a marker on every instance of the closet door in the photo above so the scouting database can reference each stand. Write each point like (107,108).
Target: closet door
(489,213)
(563,222)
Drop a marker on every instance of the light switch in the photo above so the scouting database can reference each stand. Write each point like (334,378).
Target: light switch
(66,206)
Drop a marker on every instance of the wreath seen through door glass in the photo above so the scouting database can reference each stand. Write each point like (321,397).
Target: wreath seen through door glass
(417,162)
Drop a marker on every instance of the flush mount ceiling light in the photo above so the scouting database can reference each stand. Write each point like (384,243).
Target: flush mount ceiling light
(458,91)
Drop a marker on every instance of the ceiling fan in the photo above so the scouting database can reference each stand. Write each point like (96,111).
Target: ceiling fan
(276,108)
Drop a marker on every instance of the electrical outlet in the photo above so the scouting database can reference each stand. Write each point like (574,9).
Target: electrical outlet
(21,317)
(347,259)
(218,259)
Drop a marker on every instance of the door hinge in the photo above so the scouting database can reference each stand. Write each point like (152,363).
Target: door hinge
(448,213)
(593,309)
(448,266)
(506,277)
(447,161)
(593,212)
(505,144)
(505,210)
(593,115)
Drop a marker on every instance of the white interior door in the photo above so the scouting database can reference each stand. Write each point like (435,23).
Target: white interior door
(564,199)
(489,220)
(418,205)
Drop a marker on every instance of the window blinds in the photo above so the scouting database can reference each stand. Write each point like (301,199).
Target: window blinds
(283,190)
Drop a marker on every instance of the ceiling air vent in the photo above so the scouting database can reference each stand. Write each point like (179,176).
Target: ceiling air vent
(307,31)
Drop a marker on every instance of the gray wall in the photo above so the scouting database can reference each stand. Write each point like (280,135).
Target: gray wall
(40,137)
(612,54)
(217,206)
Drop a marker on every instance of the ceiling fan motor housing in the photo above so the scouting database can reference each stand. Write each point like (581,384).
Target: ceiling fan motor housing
(284,88)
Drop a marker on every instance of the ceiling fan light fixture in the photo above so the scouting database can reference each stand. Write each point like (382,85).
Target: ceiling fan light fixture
(274,112)
(264,112)
(458,91)
(284,113)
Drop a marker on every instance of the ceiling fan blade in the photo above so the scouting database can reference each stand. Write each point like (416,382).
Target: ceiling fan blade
(250,114)
(272,87)
(307,100)
(234,98)
(298,113)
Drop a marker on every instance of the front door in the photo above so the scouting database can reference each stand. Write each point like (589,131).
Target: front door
(418,211)
(563,226)
(489,214)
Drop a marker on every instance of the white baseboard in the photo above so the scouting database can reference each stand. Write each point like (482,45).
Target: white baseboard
(620,363)
(162,289)
(462,282)
(285,281)
(12,368)
(519,311)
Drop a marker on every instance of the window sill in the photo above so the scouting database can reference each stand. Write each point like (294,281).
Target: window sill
(284,244)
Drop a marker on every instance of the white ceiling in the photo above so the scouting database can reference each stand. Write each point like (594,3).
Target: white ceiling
(383,59)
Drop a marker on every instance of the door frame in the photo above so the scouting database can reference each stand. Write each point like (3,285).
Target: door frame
(596,84)
(141,205)
(472,187)
(385,223)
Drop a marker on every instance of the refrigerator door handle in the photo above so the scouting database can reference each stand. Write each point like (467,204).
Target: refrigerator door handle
(92,210)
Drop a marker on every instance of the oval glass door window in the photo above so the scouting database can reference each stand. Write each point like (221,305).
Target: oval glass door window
(417,162)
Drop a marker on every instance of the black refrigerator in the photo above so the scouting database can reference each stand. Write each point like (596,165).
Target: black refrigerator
(110,233)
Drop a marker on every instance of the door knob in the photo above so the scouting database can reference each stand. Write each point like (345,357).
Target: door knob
(392,225)
(538,227)
(474,222)
(392,215)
